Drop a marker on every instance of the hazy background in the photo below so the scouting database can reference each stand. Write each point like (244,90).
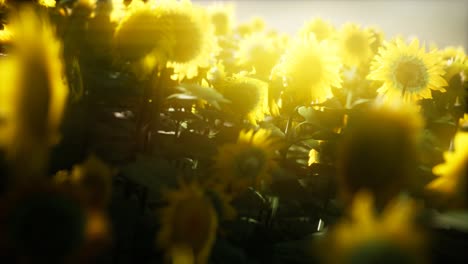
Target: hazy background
(442,22)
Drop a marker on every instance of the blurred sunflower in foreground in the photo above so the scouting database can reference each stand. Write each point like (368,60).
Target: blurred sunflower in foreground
(367,237)
(452,180)
(249,162)
(407,71)
(379,151)
(309,69)
(33,91)
(188,225)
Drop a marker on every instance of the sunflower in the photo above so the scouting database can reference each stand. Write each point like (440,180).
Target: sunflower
(456,64)
(379,150)
(452,179)
(168,33)
(407,70)
(191,36)
(248,162)
(322,29)
(35,89)
(248,97)
(188,225)
(138,33)
(391,237)
(259,52)
(93,178)
(254,25)
(222,18)
(309,68)
(355,45)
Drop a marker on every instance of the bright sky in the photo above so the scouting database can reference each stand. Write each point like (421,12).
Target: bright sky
(443,22)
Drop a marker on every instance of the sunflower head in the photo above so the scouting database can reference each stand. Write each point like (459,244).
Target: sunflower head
(138,33)
(34,87)
(188,224)
(248,97)
(248,162)
(367,237)
(259,52)
(93,178)
(222,18)
(322,29)
(309,69)
(355,45)
(190,35)
(407,71)
(379,151)
(452,175)
(456,67)
(254,25)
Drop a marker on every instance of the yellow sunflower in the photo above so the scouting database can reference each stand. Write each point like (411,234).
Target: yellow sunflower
(379,151)
(322,29)
(456,64)
(93,178)
(254,25)
(452,175)
(222,17)
(248,162)
(188,225)
(34,87)
(260,52)
(167,33)
(248,97)
(138,33)
(355,45)
(191,36)
(309,69)
(366,236)
(407,71)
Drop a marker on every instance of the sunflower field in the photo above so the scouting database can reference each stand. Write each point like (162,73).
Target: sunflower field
(162,131)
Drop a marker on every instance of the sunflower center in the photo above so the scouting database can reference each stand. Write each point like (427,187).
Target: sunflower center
(250,163)
(411,74)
